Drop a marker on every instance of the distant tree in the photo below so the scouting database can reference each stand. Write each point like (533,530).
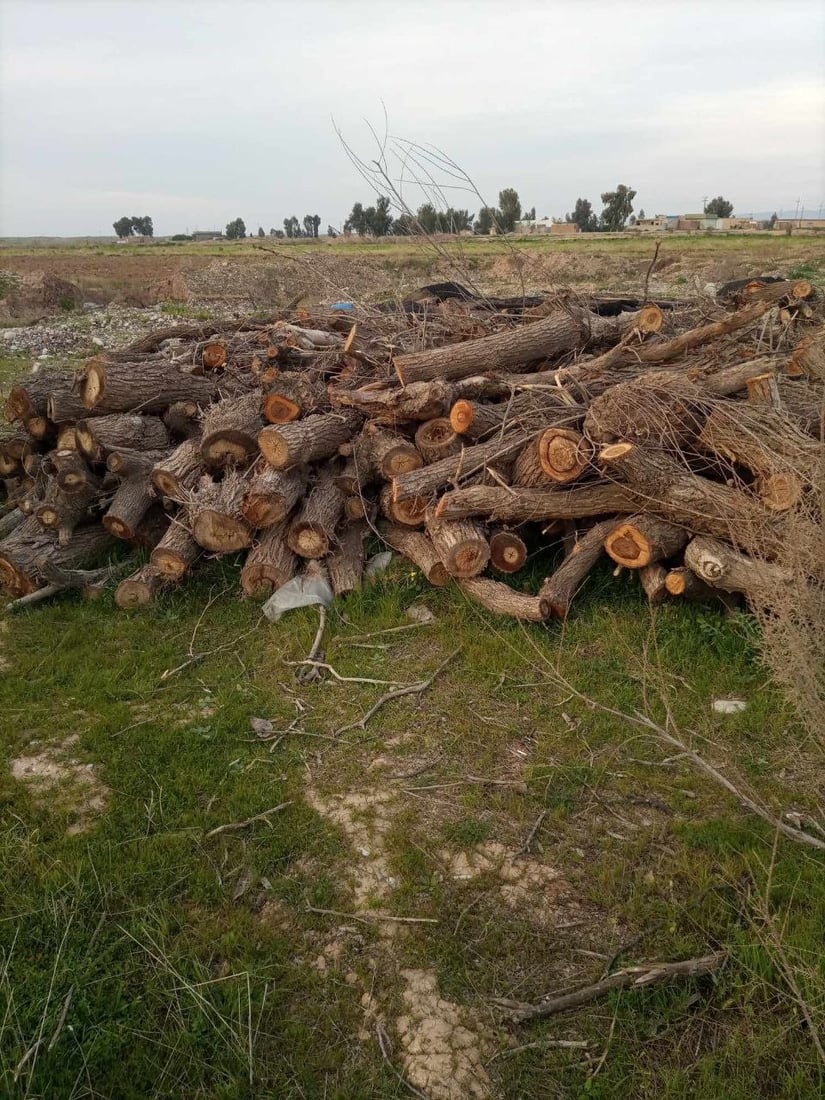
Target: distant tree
(374,221)
(509,209)
(641,213)
(279,233)
(773,220)
(618,206)
(583,216)
(236,230)
(311,223)
(261,231)
(332,231)
(292,227)
(316,224)
(123,226)
(719,208)
(531,214)
(356,222)
(142,226)
(486,220)
(632,219)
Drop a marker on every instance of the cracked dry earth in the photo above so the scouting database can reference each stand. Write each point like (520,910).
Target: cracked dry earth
(56,776)
(442,1046)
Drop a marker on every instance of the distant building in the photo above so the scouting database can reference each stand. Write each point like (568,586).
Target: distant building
(547,227)
(207,235)
(800,223)
(659,224)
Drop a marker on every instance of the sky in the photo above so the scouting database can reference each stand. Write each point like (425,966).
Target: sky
(197,113)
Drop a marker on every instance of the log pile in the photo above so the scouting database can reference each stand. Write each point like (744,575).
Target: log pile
(674,438)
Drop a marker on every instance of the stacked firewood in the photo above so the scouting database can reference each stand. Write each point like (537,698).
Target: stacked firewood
(467,434)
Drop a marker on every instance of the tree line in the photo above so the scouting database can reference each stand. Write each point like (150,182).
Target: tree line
(134,226)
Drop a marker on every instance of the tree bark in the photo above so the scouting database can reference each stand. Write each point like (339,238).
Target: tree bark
(435,439)
(312,530)
(528,472)
(722,567)
(31,396)
(563,331)
(140,589)
(126,463)
(506,506)
(62,512)
(654,582)
(29,545)
(309,440)
(269,564)
(215,512)
(418,548)
(643,540)
(11,520)
(471,460)
(133,499)
(385,454)
(182,420)
(346,563)
(409,512)
(661,408)
(501,599)
(685,584)
(71,472)
(809,356)
(146,387)
(559,590)
(230,431)
(14,448)
(178,473)
(98,436)
(475,420)
(176,552)
(461,546)
(292,395)
(272,494)
(508,552)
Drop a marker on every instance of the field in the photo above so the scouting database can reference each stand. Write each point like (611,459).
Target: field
(195,905)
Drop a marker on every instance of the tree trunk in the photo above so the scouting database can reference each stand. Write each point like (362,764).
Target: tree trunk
(146,387)
(666,489)
(661,408)
(125,463)
(501,599)
(41,429)
(176,552)
(643,540)
(460,545)
(476,420)
(528,471)
(346,563)
(312,530)
(469,461)
(140,589)
(62,512)
(292,395)
(418,548)
(182,420)
(566,330)
(509,506)
(559,590)
(97,437)
(151,528)
(809,356)
(730,380)
(14,447)
(386,455)
(71,472)
(269,564)
(29,545)
(11,520)
(684,583)
(564,454)
(654,582)
(133,499)
(177,474)
(272,494)
(230,431)
(357,506)
(394,405)
(435,439)
(409,512)
(66,438)
(508,553)
(722,567)
(309,440)
(31,396)
(215,512)
(796,290)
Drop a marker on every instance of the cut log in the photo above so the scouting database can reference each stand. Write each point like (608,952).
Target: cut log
(215,512)
(469,461)
(230,431)
(501,599)
(125,463)
(312,530)
(71,472)
(346,563)
(10,521)
(654,582)
(358,507)
(559,590)
(661,408)
(528,471)
(508,553)
(436,439)
(684,583)
(62,512)
(292,395)
(66,438)
(643,540)
(182,420)
(566,330)
(31,396)
(730,380)
(460,545)
(133,499)
(722,567)
(272,494)
(409,512)
(98,436)
(309,440)
(140,589)
(791,289)
(145,387)
(269,564)
(176,552)
(507,506)
(151,528)
(178,473)
(564,454)
(809,356)
(478,419)
(211,355)
(385,454)
(41,429)
(23,552)
(416,546)
(392,405)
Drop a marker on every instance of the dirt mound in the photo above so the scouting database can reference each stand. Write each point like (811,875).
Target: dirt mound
(32,297)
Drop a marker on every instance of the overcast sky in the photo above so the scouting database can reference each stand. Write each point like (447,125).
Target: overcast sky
(196,113)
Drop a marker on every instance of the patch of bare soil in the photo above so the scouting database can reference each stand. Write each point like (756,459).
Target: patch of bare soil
(55,776)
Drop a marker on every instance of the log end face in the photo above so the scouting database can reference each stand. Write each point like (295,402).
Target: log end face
(461,416)
(274,448)
(279,409)
(627,546)
(219,533)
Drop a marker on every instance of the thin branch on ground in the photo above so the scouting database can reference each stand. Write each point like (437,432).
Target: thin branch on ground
(386,1050)
(233,826)
(369,918)
(531,836)
(345,679)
